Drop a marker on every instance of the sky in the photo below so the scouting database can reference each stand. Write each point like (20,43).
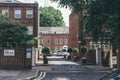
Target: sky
(65,12)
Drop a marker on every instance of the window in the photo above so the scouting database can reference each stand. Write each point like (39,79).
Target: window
(65,41)
(5,13)
(94,45)
(30,30)
(56,41)
(29,14)
(43,41)
(61,41)
(48,41)
(17,14)
(85,13)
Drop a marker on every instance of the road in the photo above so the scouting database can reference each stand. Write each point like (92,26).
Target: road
(62,69)
(73,76)
(5,77)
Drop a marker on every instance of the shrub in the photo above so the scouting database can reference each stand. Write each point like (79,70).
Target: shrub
(69,50)
(83,49)
(12,34)
(46,50)
(75,50)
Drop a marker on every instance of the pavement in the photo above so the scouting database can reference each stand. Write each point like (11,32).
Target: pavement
(30,74)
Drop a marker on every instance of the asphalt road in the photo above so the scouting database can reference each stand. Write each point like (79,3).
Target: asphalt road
(6,77)
(71,76)
(66,70)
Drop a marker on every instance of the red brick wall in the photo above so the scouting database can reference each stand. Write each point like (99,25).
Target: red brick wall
(73,30)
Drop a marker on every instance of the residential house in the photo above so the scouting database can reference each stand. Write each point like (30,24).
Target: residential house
(55,38)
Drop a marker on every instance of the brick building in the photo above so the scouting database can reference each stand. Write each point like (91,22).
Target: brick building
(24,13)
(27,14)
(54,37)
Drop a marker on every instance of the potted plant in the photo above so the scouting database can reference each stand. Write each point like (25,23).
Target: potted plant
(69,51)
(84,60)
(45,60)
(84,50)
(75,51)
(64,50)
(45,52)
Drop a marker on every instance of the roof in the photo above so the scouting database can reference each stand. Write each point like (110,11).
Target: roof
(58,30)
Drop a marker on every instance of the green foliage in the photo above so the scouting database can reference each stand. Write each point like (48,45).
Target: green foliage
(69,50)
(75,50)
(75,5)
(46,50)
(51,17)
(12,34)
(104,21)
(32,41)
(83,49)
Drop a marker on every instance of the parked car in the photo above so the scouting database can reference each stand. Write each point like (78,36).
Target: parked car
(60,53)
(115,75)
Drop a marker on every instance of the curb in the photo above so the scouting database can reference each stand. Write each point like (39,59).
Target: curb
(32,77)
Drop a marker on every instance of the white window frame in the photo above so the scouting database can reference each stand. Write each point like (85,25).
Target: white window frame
(43,41)
(5,13)
(85,13)
(17,14)
(30,30)
(29,14)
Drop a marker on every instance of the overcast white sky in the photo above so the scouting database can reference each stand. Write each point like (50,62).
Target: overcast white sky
(65,12)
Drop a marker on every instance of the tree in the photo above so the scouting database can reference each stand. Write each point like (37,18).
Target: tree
(12,34)
(103,24)
(103,21)
(76,6)
(51,17)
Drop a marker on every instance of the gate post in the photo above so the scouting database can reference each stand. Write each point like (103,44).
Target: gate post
(33,56)
(28,57)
